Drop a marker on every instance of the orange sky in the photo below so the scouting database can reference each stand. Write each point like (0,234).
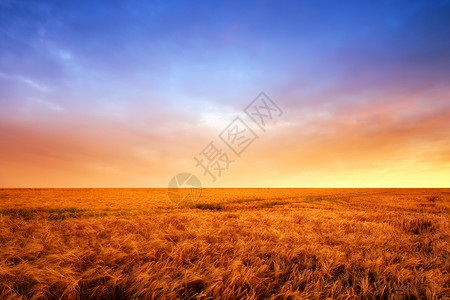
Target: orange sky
(388,145)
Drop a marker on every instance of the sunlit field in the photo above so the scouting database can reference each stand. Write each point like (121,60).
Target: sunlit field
(231,244)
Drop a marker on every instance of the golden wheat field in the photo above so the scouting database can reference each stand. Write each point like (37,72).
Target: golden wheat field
(231,244)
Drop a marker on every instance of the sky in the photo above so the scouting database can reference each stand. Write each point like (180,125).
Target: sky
(131,93)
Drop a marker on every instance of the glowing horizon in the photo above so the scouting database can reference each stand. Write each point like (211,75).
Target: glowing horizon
(120,95)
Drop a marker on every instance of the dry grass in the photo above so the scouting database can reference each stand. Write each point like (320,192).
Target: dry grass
(233,244)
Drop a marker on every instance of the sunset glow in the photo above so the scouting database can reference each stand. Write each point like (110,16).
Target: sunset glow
(113,95)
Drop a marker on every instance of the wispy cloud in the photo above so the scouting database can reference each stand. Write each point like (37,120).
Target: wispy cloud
(32,83)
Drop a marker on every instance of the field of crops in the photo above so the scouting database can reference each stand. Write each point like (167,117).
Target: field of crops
(231,244)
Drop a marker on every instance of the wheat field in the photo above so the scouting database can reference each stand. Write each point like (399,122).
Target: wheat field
(231,244)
